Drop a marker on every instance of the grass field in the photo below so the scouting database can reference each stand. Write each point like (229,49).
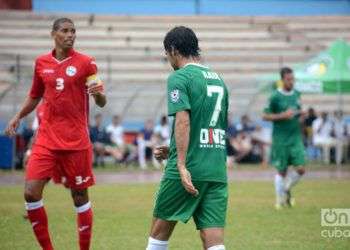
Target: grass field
(123,214)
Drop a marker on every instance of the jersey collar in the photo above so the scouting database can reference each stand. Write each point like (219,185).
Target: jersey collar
(196,64)
(283,92)
(70,55)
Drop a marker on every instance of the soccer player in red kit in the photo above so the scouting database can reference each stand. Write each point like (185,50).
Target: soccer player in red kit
(64,79)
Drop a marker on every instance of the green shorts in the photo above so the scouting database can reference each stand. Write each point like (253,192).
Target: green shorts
(283,156)
(208,209)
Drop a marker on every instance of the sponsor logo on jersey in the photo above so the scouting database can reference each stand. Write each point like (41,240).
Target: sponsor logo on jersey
(175,95)
(212,138)
(48,71)
(71,70)
(83,228)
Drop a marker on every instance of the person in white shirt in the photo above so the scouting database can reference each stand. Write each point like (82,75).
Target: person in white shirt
(323,135)
(341,136)
(163,131)
(116,130)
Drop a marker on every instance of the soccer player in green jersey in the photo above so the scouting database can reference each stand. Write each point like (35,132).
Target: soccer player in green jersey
(195,180)
(284,110)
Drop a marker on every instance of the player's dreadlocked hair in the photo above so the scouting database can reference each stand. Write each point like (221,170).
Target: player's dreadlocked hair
(182,39)
(284,71)
(57,23)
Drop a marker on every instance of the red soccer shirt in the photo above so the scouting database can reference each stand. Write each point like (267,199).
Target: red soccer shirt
(62,84)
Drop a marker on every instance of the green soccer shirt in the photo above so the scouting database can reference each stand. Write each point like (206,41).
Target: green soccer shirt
(285,132)
(203,93)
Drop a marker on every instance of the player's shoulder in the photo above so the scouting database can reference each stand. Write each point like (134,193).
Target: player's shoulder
(179,75)
(297,93)
(83,57)
(43,57)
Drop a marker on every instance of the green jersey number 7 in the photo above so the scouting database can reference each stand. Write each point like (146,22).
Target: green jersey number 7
(211,89)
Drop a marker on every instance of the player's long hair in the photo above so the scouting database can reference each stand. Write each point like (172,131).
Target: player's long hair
(182,39)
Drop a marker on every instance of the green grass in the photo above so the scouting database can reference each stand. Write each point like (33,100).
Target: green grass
(123,214)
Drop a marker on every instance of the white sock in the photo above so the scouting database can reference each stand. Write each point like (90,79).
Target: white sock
(292,179)
(217,247)
(34,205)
(154,244)
(83,208)
(280,191)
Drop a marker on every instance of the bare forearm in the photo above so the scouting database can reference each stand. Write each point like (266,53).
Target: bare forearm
(182,134)
(28,106)
(100,99)
(272,117)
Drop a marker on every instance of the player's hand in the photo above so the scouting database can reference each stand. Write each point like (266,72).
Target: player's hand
(12,126)
(95,88)
(289,114)
(161,153)
(187,181)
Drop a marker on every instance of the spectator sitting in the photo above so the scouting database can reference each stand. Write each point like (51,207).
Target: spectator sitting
(324,135)
(163,131)
(243,147)
(307,133)
(230,135)
(245,125)
(341,136)
(145,144)
(118,149)
(261,139)
(99,139)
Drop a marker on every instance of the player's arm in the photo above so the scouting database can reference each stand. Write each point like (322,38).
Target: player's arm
(100,99)
(286,115)
(270,113)
(28,106)
(94,84)
(182,138)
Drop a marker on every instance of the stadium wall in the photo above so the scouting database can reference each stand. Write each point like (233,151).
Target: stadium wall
(191,7)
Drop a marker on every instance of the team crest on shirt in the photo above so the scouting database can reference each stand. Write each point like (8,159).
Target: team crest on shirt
(174,95)
(71,70)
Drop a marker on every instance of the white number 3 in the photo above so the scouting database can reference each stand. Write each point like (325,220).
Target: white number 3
(215,89)
(60,84)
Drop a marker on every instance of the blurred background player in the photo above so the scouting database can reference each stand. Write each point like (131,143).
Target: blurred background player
(284,111)
(62,149)
(195,180)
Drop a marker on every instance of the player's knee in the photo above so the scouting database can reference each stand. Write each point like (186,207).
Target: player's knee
(282,173)
(80,197)
(301,171)
(212,237)
(32,195)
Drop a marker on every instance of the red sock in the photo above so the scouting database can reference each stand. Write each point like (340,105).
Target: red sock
(84,221)
(38,218)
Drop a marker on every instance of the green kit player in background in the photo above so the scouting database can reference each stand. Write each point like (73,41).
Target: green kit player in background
(284,111)
(195,180)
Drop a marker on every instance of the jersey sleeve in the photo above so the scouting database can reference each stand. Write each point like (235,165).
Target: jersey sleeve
(91,72)
(270,107)
(38,87)
(178,94)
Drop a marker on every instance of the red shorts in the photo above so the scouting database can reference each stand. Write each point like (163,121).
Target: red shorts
(73,168)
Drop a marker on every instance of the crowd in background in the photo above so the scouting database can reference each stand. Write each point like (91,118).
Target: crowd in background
(326,138)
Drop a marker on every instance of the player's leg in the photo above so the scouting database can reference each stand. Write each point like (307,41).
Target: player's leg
(76,167)
(38,172)
(172,204)
(210,216)
(297,159)
(84,216)
(161,231)
(279,161)
(212,238)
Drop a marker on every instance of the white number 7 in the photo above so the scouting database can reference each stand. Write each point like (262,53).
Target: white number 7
(220,91)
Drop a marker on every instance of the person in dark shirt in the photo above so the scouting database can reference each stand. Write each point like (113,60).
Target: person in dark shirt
(99,138)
